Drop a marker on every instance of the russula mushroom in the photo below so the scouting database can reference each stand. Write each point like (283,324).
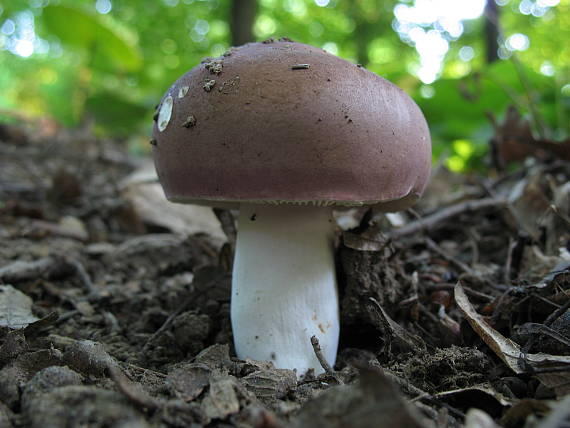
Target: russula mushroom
(285,132)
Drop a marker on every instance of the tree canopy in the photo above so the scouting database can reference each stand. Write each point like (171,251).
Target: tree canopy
(110,60)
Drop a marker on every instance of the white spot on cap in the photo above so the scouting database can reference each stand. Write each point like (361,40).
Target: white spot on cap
(165,113)
(183,91)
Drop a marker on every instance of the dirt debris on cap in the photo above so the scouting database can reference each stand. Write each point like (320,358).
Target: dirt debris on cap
(214,66)
(230,85)
(209,84)
(230,51)
(189,122)
(183,91)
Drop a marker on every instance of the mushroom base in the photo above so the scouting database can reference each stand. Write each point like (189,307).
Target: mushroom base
(284,286)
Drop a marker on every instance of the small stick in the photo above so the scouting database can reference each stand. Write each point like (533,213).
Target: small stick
(84,277)
(434,221)
(411,389)
(322,360)
(469,291)
(183,307)
(509,262)
(433,246)
(228,224)
(26,271)
(129,390)
(185,304)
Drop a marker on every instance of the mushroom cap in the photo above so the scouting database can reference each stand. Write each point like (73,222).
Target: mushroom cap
(284,122)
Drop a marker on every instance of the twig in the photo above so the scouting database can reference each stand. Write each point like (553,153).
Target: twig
(185,304)
(554,315)
(509,262)
(473,239)
(93,292)
(47,321)
(420,394)
(144,371)
(434,247)
(228,224)
(394,332)
(530,369)
(434,221)
(469,291)
(534,114)
(535,328)
(551,318)
(323,361)
(26,271)
(563,216)
(136,396)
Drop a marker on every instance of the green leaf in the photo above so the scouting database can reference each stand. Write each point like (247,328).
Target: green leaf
(459,107)
(108,46)
(116,113)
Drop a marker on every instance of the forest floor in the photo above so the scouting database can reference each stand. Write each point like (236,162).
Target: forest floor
(114,304)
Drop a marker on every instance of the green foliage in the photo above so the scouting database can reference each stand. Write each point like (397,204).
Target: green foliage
(459,106)
(114,67)
(109,48)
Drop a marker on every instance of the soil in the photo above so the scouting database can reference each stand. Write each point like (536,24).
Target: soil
(110,318)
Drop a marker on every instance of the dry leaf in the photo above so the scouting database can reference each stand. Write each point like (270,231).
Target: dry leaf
(360,243)
(188,381)
(514,140)
(398,337)
(144,192)
(529,205)
(482,396)
(222,399)
(270,384)
(510,352)
(15,308)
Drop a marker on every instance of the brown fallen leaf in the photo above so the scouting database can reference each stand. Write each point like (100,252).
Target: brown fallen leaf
(510,352)
(223,398)
(133,391)
(15,308)
(145,194)
(188,381)
(513,141)
(270,385)
(397,337)
(529,205)
(483,396)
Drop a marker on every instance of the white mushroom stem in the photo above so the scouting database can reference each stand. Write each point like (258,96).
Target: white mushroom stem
(284,286)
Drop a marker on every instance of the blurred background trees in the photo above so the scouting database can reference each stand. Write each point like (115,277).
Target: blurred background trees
(105,63)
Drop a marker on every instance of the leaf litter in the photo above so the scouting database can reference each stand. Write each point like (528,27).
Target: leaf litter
(454,313)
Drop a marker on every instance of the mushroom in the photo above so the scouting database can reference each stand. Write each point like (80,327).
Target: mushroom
(286,144)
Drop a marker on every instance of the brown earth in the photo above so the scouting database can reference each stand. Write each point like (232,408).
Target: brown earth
(109,317)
